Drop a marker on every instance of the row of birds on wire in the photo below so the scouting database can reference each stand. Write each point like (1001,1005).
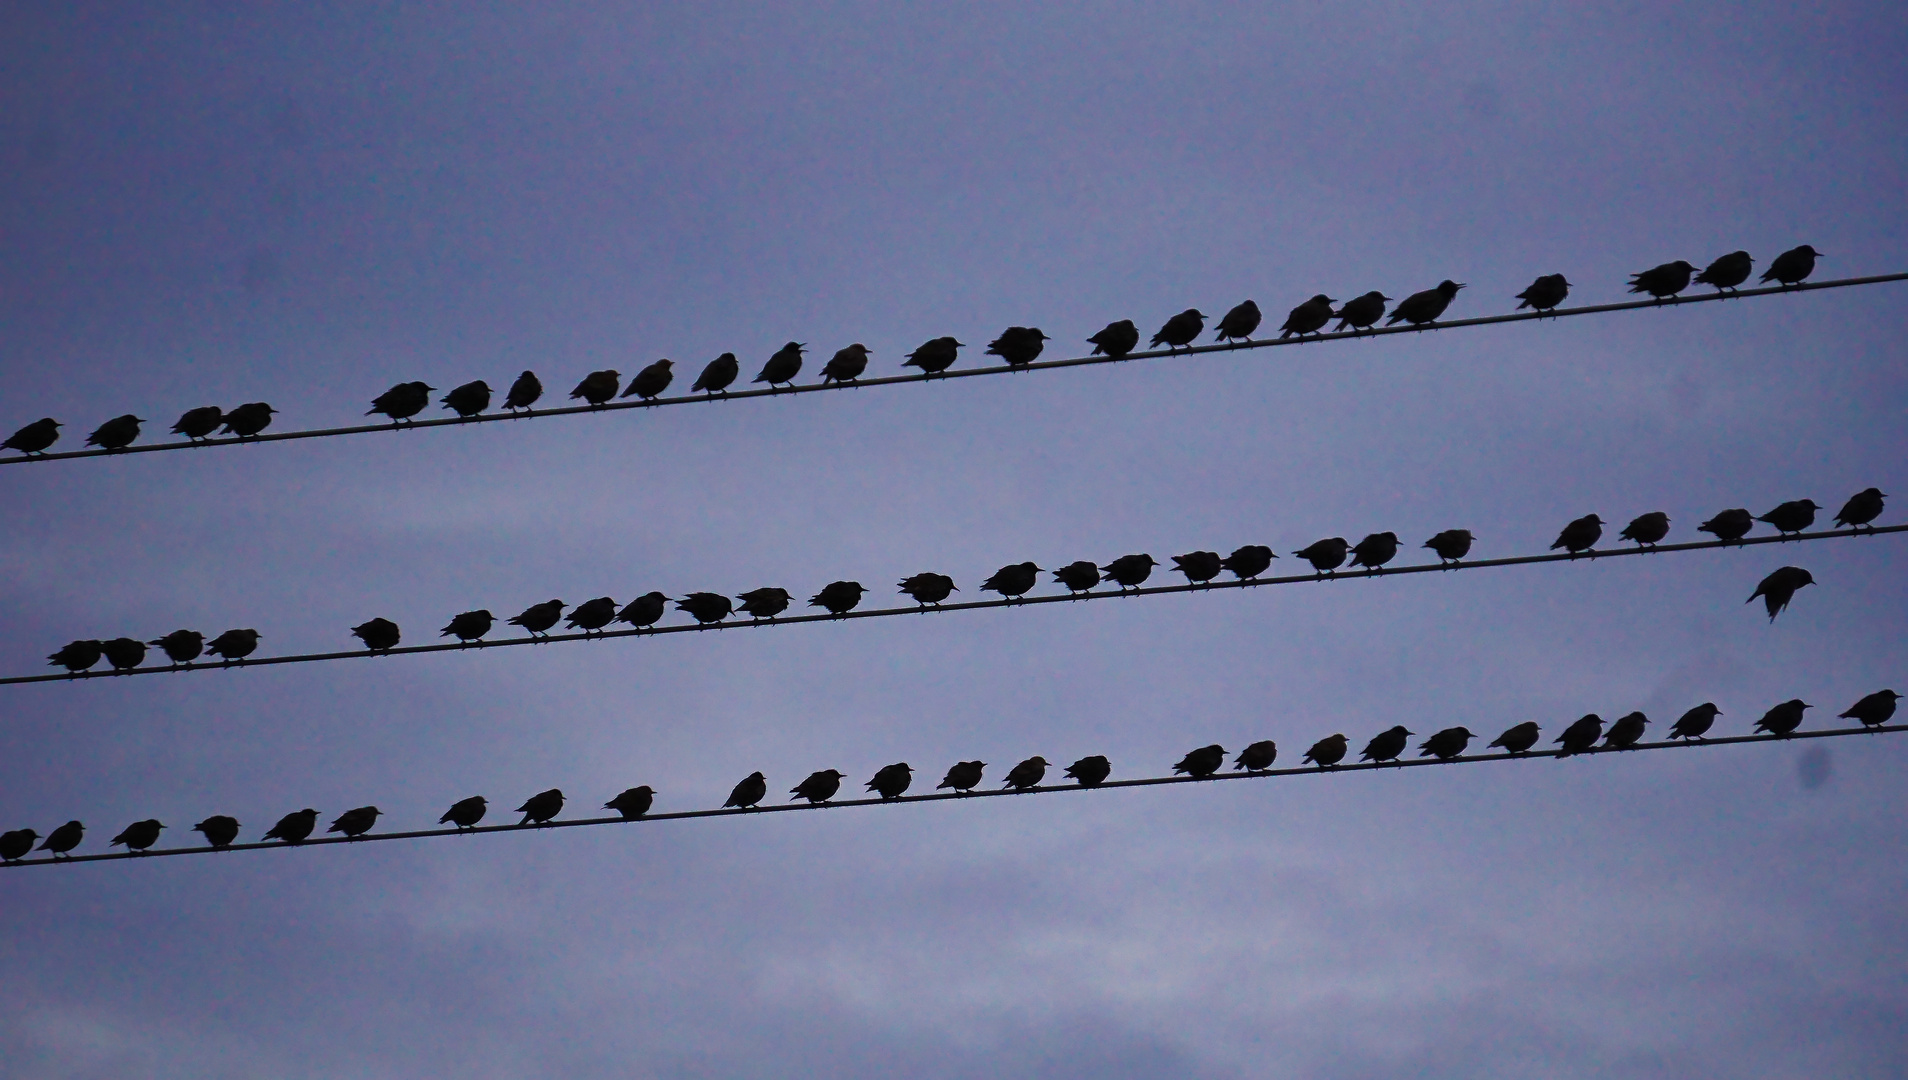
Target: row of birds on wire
(1585,735)
(1017,346)
(1014,580)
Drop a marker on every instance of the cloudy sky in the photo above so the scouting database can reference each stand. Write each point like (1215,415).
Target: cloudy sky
(219,203)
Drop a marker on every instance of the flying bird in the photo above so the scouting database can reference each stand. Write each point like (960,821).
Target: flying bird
(294,827)
(928,588)
(35,437)
(1129,571)
(1387,744)
(749,792)
(1326,555)
(1647,529)
(1202,762)
(598,387)
(934,356)
(891,781)
(644,610)
(962,776)
(1308,318)
(1792,517)
(633,803)
(1421,308)
(1545,293)
(839,597)
(1625,731)
(706,607)
(233,644)
(140,835)
(468,626)
(1327,752)
(219,830)
(1077,576)
(1180,330)
(1728,271)
(1874,710)
(1580,535)
(1518,739)
(1239,323)
(1695,723)
(1451,545)
(1581,735)
(1249,562)
(1375,550)
(538,618)
(1027,774)
(77,656)
(1792,265)
(1090,771)
(466,813)
(524,392)
(402,401)
(783,366)
(15,845)
(1362,312)
(355,823)
(116,434)
(64,839)
(541,807)
(1784,718)
(469,399)
(181,646)
(1012,580)
(1861,508)
(1199,565)
(1779,588)
(819,787)
(1258,757)
(718,375)
(248,419)
(593,615)
(1729,526)
(1663,281)
(650,382)
(1018,345)
(764,603)
(196,424)
(123,653)
(1116,339)
(378,635)
(1446,744)
(846,365)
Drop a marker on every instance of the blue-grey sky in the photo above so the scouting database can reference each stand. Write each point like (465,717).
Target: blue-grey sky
(304,204)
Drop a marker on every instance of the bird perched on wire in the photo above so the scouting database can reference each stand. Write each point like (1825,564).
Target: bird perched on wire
(537,619)
(1451,545)
(1663,281)
(1078,576)
(1792,266)
(1695,723)
(1018,345)
(1779,588)
(15,845)
(1202,762)
(1387,744)
(1129,571)
(248,419)
(706,607)
(598,387)
(181,646)
(891,781)
(846,365)
(140,835)
(1784,718)
(466,813)
(1580,535)
(1327,752)
(123,653)
(1647,529)
(1728,271)
(1544,293)
(633,802)
(294,827)
(219,830)
(1027,774)
(1446,744)
(76,656)
(64,839)
(962,776)
(355,823)
(116,434)
(1730,525)
(1239,323)
(1199,565)
(1116,339)
(1518,739)
(1874,710)
(1861,508)
(233,644)
(1180,330)
(378,635)
(402,401)
(644,610)
(1257,757)
(1422,308)
(469,626)
(748,792)
(524,392)
(1308,318)
(1090,771)
(783,366)
(469,399)
(1012,580)
(541,807)
(593,615)
(1362,312)
(1581,735)
(1792,517)
(935,355)
(764,603)
(1375,550)
(718,375)
(839,597)
(819,787)
(35,437)
(928,588)
(196,424)
(1325,555)
(650,382)
(1625,731)
(1249,561)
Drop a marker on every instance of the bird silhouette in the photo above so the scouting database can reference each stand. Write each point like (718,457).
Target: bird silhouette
(1362,312)
(892,780)
(1078,576)
(524,392)
(356,822)
(116,434)
(469,399)
(934,356)
(77,656)
(846,365)
(140,835)
(928,588)
(1129,571)
(1326,555)
(196,424)
(1580,535)
(593,615)
(1784,718)
(1012,580)
(644,610)
(64,839)
(1625,731)
(717,376)
(749,792)
(819,787)
(962,776)
(1421,308)
(839,597)
(650,382)
(1180,330)
(1116,339)
(538,809)
(1308,318)
(1793,516)
(1249,562)
(402,401)
(1729,526)
(1027,774)
(1239,323)
(469,626)
(633,802)
(466,813)
(1581,735)
(1728,271)
(706,607)
(1779,588)
(248,419)
(1258,757)
(1663,281)
(538,618)
(1090,771)
(1446,744)
(1647,529)
(1202,762)
(598,387)
(1199,565)
(233,644)
(783,366)
(378,635)
(123,653)
(1861,508)
(764,603)
(1874,710)
(1544,293)
(181,646)
(1018,345)
(294,827)
(1695,723)
(1387,744)
(1375,550)
(219,830)
(15,845)
(1327,752)
(1518,739)
(35,437)
(1792,266)
(1451,545)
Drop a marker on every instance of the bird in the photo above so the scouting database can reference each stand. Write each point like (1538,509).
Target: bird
(538,618)
(1129,571)
(934,356)
(1518,739)
(1446,744)
(1729,526)
(1018,345)
(1202,762)
(15,845)
(1026,774)
(402,401)
(1661,281)
(469,626)
(650,382)
(1327,752)
(123,653)
(1784,718)
(1544,293)
(1249,561)
(1258,757)
(466,813)
(706,607)
(219,830)
(1581,735)
(644,610)
(1362,312)
(962,776)
(35,437)
(892,780)
(1308,318)
(115,434)
(1180,330)
(1116,339)
(541,807)
(1874,710)
(356,822)
(1695,723)
(1326,555)
(1451,545)
(77,656)
(294,827)
(1424,307)
(846,365)
(1199,565)
(378,635)
(1625,731)
(1090,771)
(598,386)
(1792,265)
(718,374)
(1647,529)
(593,615)
(233,644)
(783,366)
(839,597)
(469,399)
(1238,324)
(181,646)
(196,424)
(248,419)
(1077,576)
(1387,744)
(1375,550)
(1779,588)
(64,839)
(748,792)
(1580,535)
(928,588)
(819,787)
(1792,517)
(764,603)
(140,835)
(1861,508)
(1728,271)
(1012,580)
(524,392)
(633,802)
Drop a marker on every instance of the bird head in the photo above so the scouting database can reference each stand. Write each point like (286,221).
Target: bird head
(1805,579)
(1811,251)
(1810,503)
(1450,287)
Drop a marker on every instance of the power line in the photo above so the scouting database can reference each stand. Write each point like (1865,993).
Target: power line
(971,605)
(1047,789)
(962,373)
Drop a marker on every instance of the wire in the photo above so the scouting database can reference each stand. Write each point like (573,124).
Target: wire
(1047,789)
(972,605)
(889,380)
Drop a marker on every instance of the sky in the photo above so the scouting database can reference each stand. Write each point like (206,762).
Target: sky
(305,204)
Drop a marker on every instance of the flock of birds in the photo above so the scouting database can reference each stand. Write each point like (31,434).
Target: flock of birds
(892,781)
(1014,580)
(1018,346)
